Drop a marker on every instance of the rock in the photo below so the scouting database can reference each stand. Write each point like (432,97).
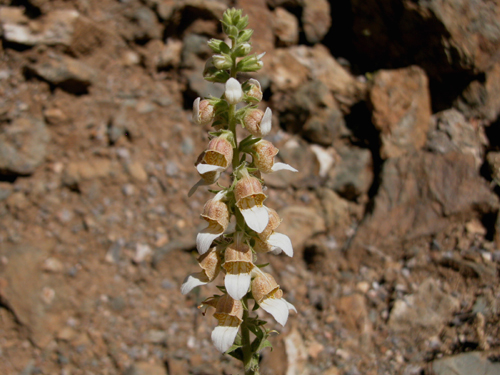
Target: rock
(161,55)
(195,52)
(286,27)
(300,224)
(423,313)
(493,160)
(324,126)
(296,353)
(55,28)
(70,74)
(124,123)
(418,195)
(466,364)
(141,25)
(354,314)
(450,131)
(23,146)
(352,175)
(146,368)
(316,19)
(481,98)
(324,68)
(287,73)
(401,110)
(261,21)
(5,190)
(78,171)
(325,159)
(23,290)
(335,209)
(137,172)
(441,36)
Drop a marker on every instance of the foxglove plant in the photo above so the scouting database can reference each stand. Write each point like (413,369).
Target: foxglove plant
(235,254)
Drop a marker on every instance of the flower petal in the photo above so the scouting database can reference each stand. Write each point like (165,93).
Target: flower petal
(290,306)
(205,168)
(194,280)
(265,123)
(277,308)
(223,337)
(205,238)
(237,285)
(201,182)
(281,241)
(196,110)
(282,167)
(256,218)
(233,92)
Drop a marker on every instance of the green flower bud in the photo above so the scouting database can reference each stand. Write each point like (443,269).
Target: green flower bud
(215,45)
(250,64)
(222,62)
(244,36)
(243,50)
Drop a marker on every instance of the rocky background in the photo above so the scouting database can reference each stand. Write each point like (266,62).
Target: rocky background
(389,109)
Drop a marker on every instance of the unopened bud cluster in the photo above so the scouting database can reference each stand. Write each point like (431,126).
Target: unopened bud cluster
(235,254)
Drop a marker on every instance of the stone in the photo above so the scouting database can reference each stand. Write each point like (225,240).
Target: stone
(401,110)
(137,172)
(316,19)
(418,196)
(261,21)
(70,74)
(335,209)
(286,27)
(23,146)
(424,313)
(287,73)
(141,25)
(55,28)
(300,224)
(352,175)
(493,160)
(324,126)
(146,368)
(354,315)
(78,171)
(451,131)
(195,51)
(296,353)
(465,364)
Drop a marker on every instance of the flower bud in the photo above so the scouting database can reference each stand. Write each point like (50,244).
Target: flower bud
(233,92)
(254,93)
(245,35)
(203,111)
(250,63)
(274,222)
(243,50)
(265,153)
(257,122)
(222,62)
(216,45)
(212,74)
(216,213)
(210,263)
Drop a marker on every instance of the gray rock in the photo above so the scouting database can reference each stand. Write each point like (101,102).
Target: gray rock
(423,313)
(493,160)
(352,175)
(195,48)
(286,27)
(316,19)
(466,364)
(146,368)
(23,146)
(70,74)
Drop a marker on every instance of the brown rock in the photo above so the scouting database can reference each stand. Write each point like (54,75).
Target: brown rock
(285,71)
(296,353)
(354,314)
(286,27)
(300,224)
(146,368)
(86,170)
(316,19)
(418,196)
(261,21)
(401,110)
(493,160)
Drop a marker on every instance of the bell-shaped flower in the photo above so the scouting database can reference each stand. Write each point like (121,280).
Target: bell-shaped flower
(269,296)
(265,152)
(258,123)
(238,263)
(210,263)
(213,161)
(270,241)
(229,313)
(233,92)
(249,199)
(216,213)
(254,93)
(203,111)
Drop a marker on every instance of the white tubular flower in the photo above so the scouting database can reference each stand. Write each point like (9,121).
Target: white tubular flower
(213,161)
(264,158)
(269,296)
(229,313)
(258,123)
(233,92)
(216,213)
(249,199)
(210,263)
(238,263)
(203,111)
(270,241)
